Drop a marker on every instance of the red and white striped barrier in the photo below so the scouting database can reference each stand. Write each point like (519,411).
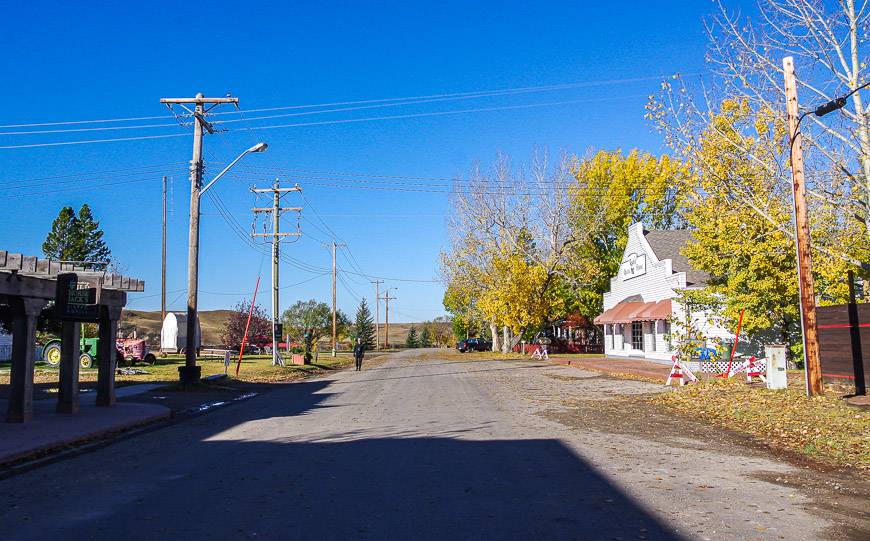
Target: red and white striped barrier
(680,373)
(754,368)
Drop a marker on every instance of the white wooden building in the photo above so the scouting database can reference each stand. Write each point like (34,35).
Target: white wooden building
(173,333)
(641,304)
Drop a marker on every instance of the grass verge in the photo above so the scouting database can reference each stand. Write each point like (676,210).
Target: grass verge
(822,428)
(254,369)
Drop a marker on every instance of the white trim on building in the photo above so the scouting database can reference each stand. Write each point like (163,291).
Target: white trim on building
(640,302)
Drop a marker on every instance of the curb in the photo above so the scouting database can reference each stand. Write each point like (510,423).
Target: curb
(32,460)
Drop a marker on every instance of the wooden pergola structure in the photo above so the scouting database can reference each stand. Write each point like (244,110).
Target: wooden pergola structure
(27,286)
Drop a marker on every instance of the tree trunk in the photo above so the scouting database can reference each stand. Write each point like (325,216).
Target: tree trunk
(493,331)
(505,339)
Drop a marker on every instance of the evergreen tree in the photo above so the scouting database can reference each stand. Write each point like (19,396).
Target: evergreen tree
(425,338)
(364,327)
(61,240)
(76,238)
(411,341)
(93,247)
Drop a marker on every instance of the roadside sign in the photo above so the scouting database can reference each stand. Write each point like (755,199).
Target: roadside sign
(76,301)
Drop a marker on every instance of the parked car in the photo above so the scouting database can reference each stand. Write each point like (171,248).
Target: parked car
(473,344)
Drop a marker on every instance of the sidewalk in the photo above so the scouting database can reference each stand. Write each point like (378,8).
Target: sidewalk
(613,365)
(50,431)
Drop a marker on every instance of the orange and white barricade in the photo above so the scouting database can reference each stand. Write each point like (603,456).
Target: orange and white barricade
(680,373)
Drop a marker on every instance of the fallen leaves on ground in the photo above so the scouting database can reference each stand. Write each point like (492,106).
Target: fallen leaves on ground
(823,428)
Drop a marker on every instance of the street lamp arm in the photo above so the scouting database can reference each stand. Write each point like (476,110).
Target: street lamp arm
(259,147)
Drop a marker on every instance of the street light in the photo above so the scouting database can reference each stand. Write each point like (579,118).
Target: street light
(259,147)
(189,373)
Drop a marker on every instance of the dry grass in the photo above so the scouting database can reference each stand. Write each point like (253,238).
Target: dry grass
(822,428)
(255,369)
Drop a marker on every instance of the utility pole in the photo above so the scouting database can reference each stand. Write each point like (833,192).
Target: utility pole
(277,192)
(387,300)
(812,365)
(189,373)
(377,312)
(163,263)
(334,245)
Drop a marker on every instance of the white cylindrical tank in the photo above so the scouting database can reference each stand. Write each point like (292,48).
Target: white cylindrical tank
(173,333)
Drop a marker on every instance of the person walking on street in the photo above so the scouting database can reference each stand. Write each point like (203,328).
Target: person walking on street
(358,352)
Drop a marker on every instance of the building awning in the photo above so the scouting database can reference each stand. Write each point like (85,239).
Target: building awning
(626,312)
(655,311)
(619,313)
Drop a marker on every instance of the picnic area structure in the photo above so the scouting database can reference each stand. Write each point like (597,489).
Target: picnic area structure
(73,292)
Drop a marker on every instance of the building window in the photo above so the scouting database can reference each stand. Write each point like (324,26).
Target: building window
(637,335)
(666,330)
(652,328)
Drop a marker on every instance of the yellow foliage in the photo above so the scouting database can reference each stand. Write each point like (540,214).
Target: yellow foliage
(512,293)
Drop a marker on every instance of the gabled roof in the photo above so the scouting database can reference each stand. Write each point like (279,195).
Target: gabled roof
(669,245)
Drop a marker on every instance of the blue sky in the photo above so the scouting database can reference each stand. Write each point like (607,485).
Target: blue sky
(66,63)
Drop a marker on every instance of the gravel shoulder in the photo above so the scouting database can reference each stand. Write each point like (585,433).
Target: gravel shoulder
(716,482)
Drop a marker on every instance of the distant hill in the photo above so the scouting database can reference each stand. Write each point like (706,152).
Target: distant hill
(147,325)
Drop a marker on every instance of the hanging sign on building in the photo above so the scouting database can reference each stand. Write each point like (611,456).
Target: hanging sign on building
(76,301)
(633,265)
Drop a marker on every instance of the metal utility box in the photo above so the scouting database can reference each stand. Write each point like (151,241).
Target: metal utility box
(777,377)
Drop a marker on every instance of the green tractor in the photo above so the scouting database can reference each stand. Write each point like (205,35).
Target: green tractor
(87,357)
(129,351)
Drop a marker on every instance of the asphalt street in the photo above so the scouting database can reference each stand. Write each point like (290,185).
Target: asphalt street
(433,449)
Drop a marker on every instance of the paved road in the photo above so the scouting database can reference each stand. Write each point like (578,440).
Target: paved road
(408,449)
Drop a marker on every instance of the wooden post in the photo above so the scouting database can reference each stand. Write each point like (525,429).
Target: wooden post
(26,310)
(190,372)
(70,350)
(855,338)
(802,238)
(334,309)
(106,351)
(377,312)
(163,262)
(387,299)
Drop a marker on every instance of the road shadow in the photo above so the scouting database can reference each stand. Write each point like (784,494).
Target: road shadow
(223,477)
(380,488)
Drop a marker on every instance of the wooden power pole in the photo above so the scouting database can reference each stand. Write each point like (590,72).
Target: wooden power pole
(277,192)
(334,245)
(812,365)
(387,300)
(377,312)
(189,373)
(163,262)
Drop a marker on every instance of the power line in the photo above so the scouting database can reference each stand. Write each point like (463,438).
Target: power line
(439,113)
(90,141)
(329,122)
(85,187)
(515,90)
(82,130)
(92,173)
